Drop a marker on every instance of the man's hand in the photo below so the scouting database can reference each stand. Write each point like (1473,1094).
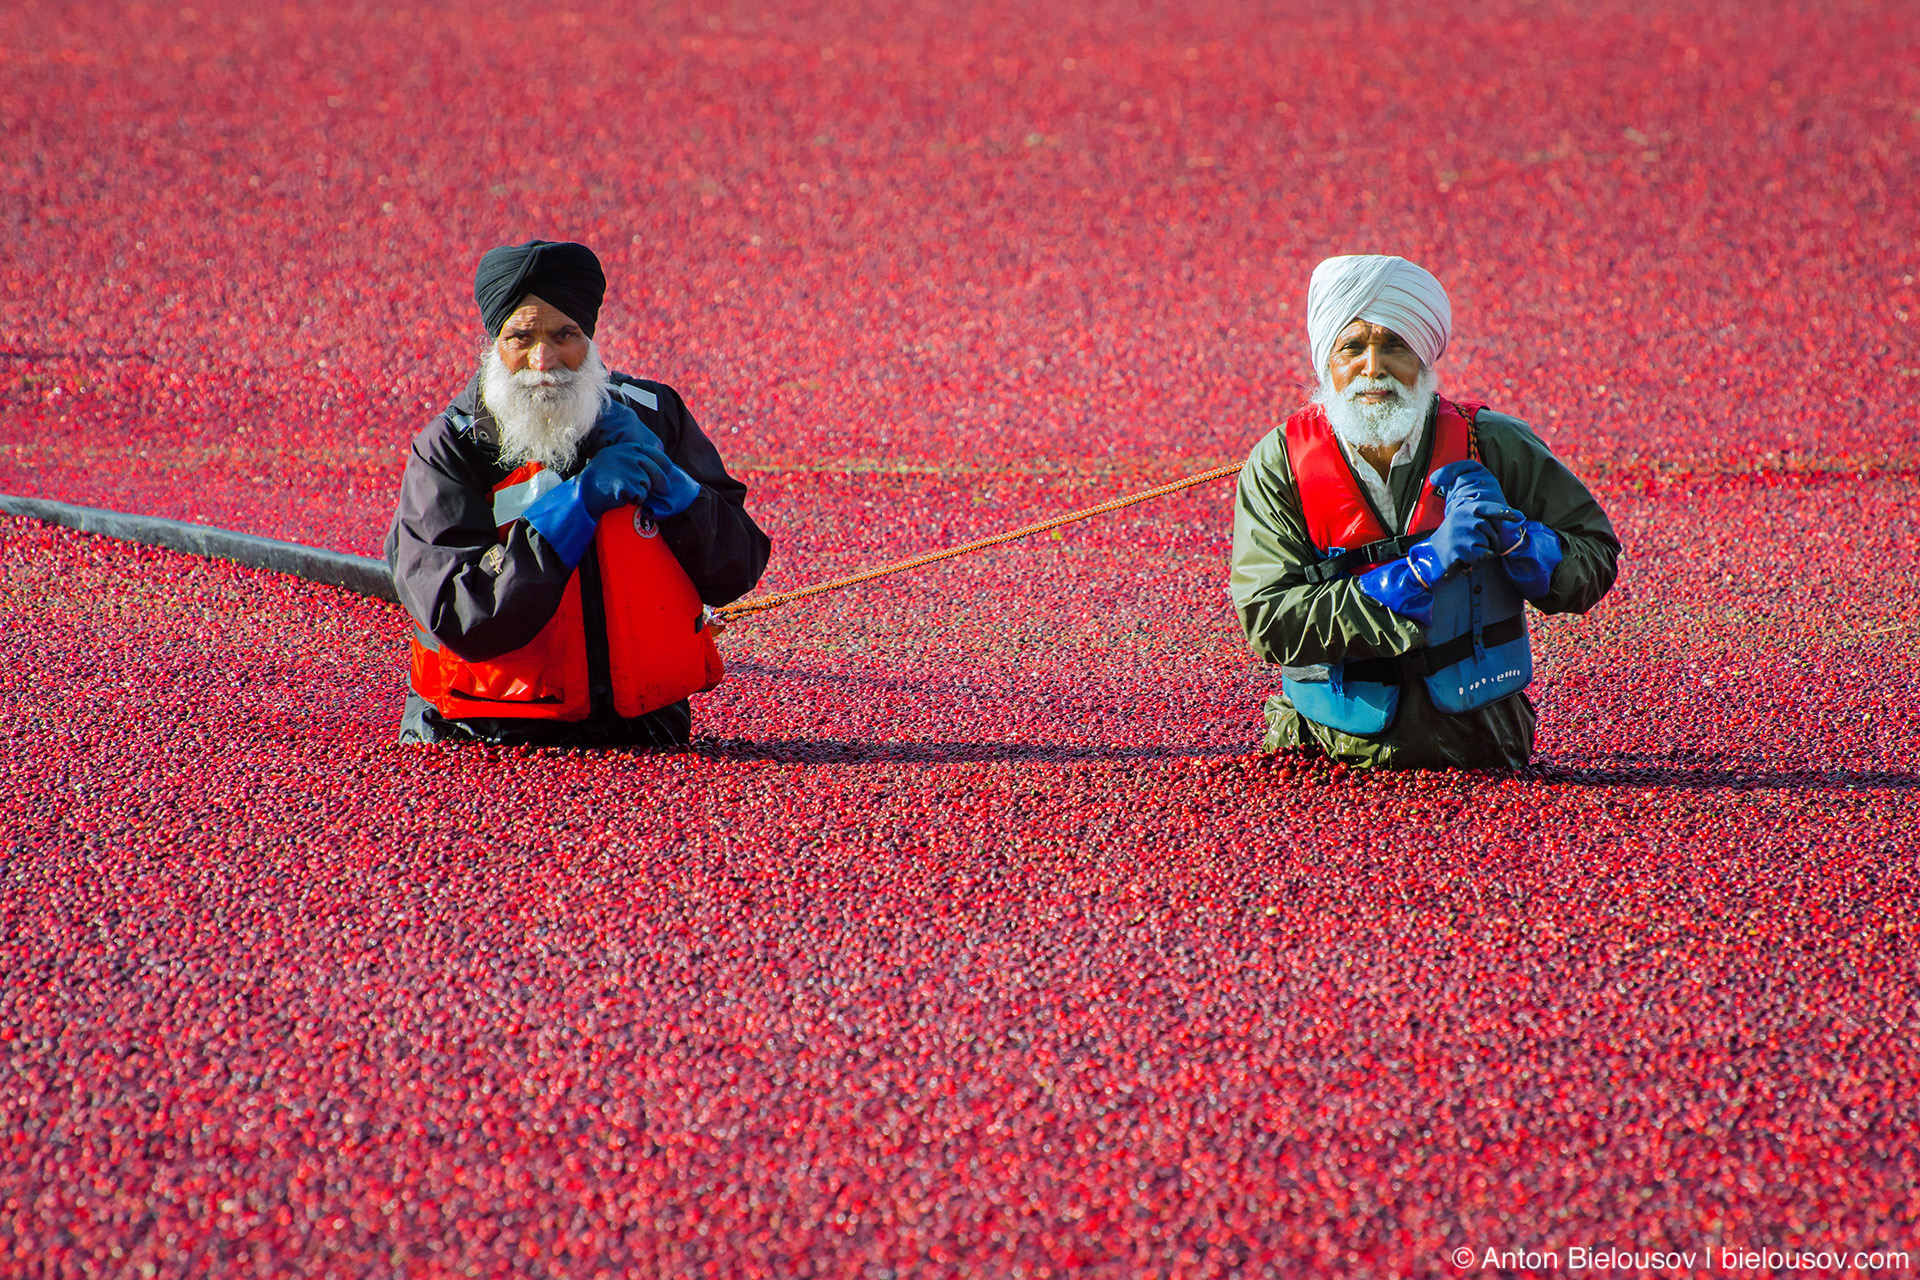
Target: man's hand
(670,490)
(1467,481)
(1468,534)
(1528,550)
(621,475)
(1470,485)
(1401,587)
(619,424)
(1531,559)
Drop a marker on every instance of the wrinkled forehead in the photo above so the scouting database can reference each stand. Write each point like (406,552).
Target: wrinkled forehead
(537,315)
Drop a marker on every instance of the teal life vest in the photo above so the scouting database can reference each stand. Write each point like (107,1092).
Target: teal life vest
(1477,651)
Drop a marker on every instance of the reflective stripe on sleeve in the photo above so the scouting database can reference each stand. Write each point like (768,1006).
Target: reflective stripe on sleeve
(510,503)
(638,395)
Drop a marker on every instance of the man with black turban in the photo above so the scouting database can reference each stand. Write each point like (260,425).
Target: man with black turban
(560,531)
(1388,541)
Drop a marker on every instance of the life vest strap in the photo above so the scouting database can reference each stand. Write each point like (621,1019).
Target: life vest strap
(1372,670)
(1352,562)
(1424,662)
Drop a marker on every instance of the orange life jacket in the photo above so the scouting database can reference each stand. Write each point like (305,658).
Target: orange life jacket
(658,647)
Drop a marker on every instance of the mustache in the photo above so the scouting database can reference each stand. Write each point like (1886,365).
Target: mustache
(547,378)
(1374,386)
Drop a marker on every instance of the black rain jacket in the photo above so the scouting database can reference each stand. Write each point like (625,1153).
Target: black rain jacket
(481,606)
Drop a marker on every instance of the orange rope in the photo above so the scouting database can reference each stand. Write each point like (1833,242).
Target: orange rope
(741,608)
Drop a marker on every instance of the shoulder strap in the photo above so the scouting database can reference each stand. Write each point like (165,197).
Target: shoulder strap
(1470,410)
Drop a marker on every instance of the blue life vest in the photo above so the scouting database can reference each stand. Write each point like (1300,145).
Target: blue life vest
(1477,650)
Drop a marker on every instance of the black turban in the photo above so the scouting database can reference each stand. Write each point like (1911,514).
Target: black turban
(561,273)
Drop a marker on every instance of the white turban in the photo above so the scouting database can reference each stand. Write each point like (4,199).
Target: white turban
(1380,290)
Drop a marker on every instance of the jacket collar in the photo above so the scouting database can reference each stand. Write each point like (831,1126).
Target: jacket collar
(469,402)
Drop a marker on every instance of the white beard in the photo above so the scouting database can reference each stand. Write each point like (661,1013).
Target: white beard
(543,417)
(1389,424)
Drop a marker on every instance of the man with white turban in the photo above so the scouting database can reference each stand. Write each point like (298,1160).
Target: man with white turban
(1386,537)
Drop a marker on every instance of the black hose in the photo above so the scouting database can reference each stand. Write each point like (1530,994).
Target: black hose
(363,574)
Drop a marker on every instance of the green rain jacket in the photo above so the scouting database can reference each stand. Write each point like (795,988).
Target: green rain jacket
(1291,622)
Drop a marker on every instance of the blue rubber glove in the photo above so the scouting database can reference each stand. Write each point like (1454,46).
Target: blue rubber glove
(673,491)
(1468,484)
(1531,559)
(619,424)
(1396,585)
(619,475)
(1467,481)
(673,495)
(560,516)
(1465,537)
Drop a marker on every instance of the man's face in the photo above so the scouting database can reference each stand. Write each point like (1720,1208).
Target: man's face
(541,337)
(1365,350)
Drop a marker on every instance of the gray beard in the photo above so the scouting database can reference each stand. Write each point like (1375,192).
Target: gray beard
(1386,425)
(543,417)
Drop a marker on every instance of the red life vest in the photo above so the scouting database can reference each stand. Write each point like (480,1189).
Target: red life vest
(658,651)
(1336,510)
(1476,652)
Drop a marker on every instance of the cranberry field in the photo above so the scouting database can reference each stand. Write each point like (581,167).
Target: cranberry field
(975,937)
